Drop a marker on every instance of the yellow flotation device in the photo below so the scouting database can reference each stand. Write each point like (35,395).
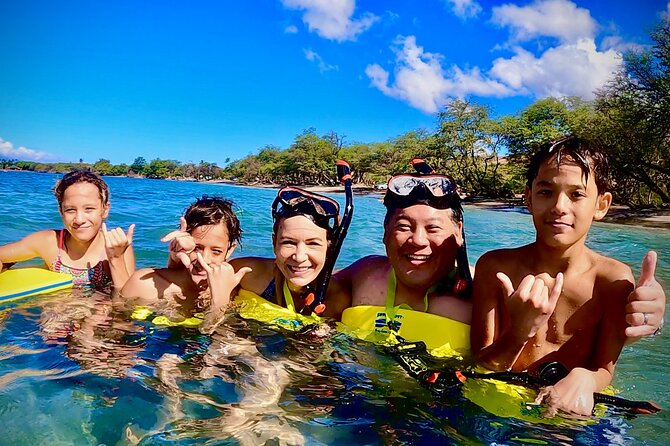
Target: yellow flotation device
(383,325)
(440,334)
(252,306)
(147,314)
(23,282)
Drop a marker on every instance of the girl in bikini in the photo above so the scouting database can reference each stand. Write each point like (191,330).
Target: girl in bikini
(84,248)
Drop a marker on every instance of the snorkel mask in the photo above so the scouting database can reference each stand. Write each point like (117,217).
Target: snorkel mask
(434,190)
(320,209)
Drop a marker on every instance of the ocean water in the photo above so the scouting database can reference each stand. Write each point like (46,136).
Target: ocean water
(73,370)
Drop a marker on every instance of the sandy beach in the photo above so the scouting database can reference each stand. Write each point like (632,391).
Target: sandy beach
(618,214)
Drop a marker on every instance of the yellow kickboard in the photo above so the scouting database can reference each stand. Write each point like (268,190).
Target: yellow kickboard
(23,282)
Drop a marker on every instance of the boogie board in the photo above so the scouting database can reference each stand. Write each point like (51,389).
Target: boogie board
(23,282)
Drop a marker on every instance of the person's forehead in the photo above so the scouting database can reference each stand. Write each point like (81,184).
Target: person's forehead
(299,225)
(422,212)
(568,171)
(217,233)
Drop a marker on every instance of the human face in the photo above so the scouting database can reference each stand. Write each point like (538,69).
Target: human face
(212,242)
(83,211)
(563,205)
(300,248)
(421,244)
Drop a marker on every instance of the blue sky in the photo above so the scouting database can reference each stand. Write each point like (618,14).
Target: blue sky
(211,80)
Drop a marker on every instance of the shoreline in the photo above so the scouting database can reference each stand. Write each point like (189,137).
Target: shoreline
(617,214)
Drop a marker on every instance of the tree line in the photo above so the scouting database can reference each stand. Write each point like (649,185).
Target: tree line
(486,155)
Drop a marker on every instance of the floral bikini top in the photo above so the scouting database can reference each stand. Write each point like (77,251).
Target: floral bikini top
(93,277)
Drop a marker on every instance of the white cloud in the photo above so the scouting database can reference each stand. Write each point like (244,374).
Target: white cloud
(421,81)
(568,70)
(666,14)
(617,44)
(332,19)
(291,29)
(7,150)
(561,19)
(576,69)
(464,9)
(312,56)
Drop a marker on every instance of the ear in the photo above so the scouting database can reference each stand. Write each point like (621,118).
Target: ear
(105,210)
(603,203)
(529,199)
(459,233)
(231,249)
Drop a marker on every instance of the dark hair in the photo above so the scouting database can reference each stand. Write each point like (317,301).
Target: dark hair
(589,157)
(81,176)
(209,210)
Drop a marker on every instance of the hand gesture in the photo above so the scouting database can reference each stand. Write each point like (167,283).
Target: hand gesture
(117,241)
(646,304)
(531,304)
(181,245)
(222,280)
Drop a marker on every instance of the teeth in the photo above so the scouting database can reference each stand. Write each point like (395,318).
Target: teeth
(418,257)
(299,268)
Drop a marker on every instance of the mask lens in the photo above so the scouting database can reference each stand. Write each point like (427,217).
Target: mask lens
(438,185)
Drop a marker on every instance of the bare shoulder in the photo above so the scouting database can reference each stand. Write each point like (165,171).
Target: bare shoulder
(262,272)
(611,269)
(500,260)
(613,278)
(366,265)
(143,285)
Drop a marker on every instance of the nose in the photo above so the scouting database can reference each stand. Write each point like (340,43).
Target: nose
(300,253)
(80,217)
(560,205)
(419,237)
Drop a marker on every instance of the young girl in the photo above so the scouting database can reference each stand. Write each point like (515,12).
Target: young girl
(84,247)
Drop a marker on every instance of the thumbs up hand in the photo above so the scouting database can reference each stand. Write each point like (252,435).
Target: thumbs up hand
(646,304)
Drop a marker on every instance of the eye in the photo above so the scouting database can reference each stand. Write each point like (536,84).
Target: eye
(578,194)
(315,243)
(544,192)
(402,227)
(288,242)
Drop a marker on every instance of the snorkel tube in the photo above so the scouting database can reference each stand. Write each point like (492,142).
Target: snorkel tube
(423,168)
(314,303)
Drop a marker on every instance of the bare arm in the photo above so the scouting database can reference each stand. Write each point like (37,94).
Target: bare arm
(141,287)
(120,254)
(29,247)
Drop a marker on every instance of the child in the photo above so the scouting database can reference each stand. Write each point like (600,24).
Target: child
(214,231)
(555,299)
(84,248)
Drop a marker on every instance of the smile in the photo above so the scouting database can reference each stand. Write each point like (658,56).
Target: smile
(299,269)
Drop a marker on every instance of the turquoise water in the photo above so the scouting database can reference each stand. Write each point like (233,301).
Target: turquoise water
(75,371)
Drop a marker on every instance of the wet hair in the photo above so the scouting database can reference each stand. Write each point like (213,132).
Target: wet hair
(210,210)
(81,176)
(588,156)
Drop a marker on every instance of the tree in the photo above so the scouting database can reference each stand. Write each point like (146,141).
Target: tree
(138,165)
(634,121)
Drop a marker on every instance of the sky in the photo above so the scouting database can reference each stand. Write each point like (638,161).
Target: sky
(217,80)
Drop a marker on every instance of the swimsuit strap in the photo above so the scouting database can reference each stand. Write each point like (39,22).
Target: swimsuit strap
(390,294)
(269,291)
(287,296)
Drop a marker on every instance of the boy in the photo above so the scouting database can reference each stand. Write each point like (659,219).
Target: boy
(206,283)
(555,299)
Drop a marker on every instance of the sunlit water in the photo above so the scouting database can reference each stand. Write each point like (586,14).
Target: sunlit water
(75,371)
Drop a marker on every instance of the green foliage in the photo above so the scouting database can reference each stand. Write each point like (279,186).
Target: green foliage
(486,156)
